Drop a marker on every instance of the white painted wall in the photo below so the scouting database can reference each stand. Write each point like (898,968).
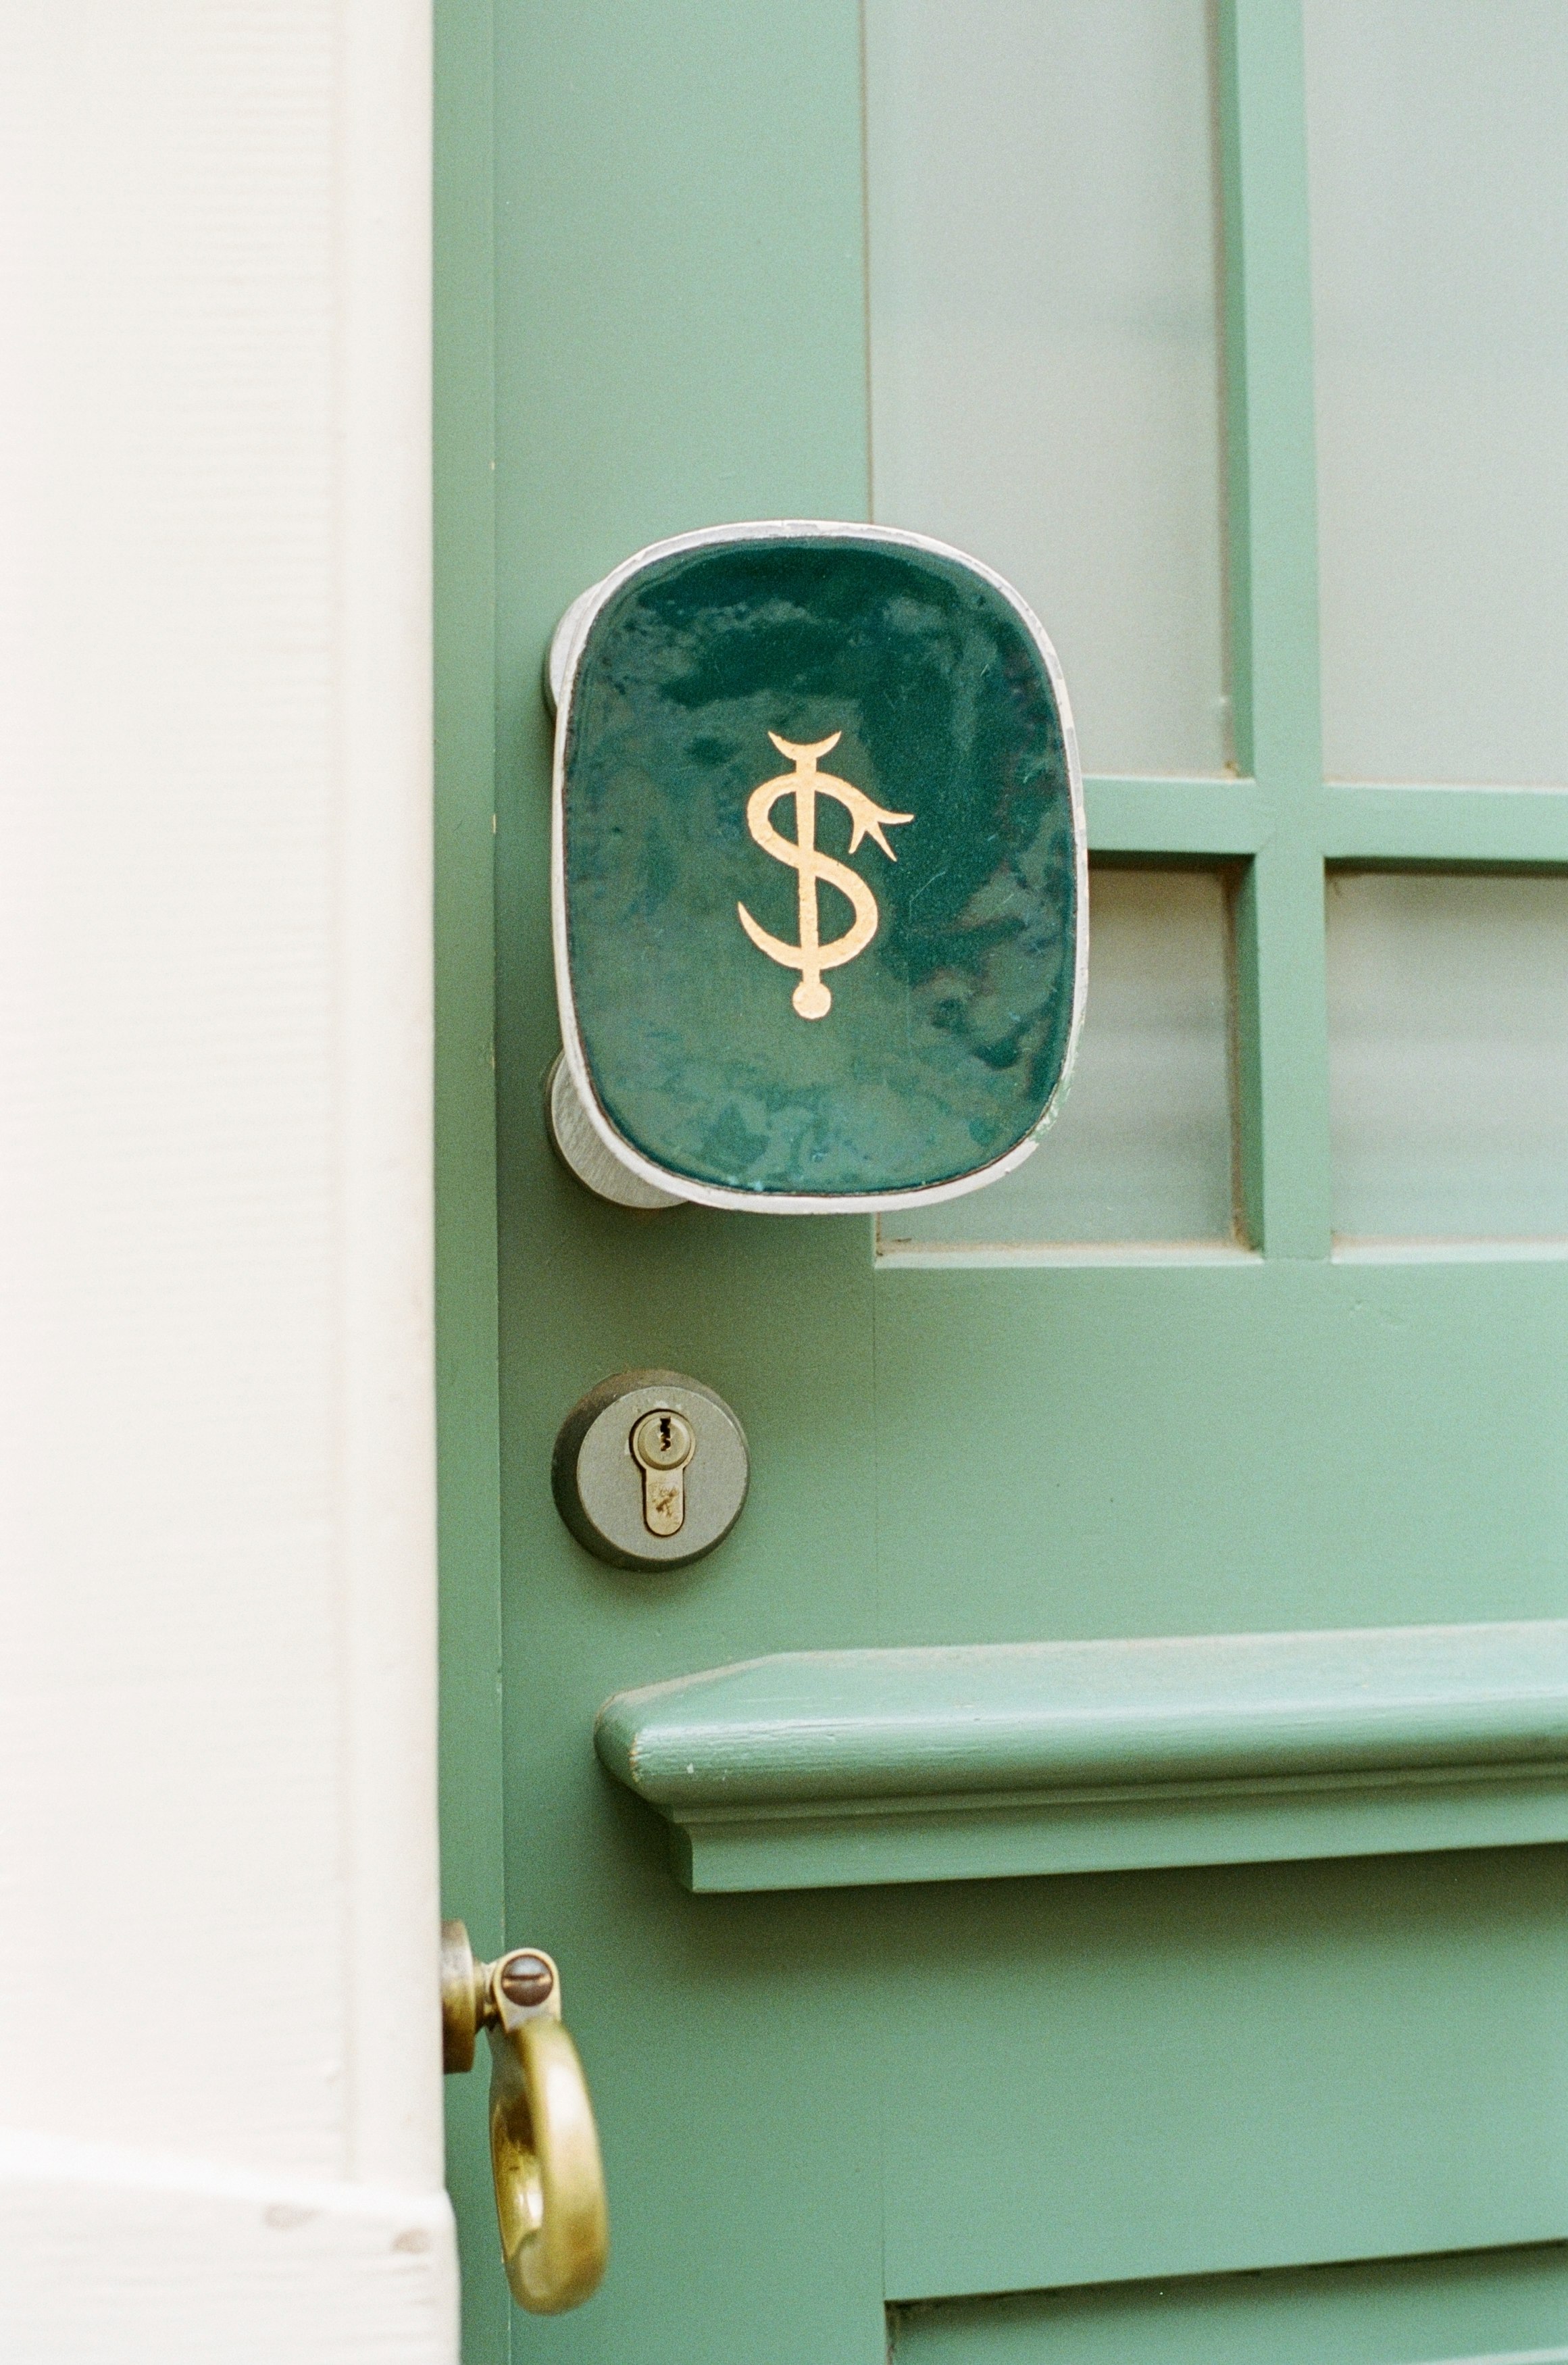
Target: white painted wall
(219,2123)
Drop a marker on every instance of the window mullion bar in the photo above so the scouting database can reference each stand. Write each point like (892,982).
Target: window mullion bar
(1272,553)
(1499,827)
(1224,818)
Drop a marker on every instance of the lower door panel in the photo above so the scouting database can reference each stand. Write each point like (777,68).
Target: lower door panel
(1105,2080)
(1496,2307)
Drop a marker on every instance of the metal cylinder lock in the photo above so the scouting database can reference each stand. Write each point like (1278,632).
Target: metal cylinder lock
(650,1470)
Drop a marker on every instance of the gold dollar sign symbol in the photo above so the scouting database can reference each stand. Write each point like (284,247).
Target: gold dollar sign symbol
(805,783)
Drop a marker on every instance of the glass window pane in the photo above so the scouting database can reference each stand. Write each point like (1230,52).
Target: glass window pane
(1140,1150)
(1448,1013)
(1438,144)
(1044,386)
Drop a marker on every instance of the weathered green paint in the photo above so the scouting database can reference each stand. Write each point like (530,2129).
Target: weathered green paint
(828,1768)
(990,1719)
(946,1037)
(814,2104)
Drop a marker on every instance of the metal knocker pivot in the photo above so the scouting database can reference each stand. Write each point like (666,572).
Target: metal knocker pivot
(549,2203)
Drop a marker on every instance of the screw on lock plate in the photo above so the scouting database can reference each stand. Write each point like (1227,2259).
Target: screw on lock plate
(662,1445)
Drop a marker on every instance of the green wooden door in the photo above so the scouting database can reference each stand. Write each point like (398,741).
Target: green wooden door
(1233,2028)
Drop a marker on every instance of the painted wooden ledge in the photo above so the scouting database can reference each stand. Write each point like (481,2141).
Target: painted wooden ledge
(823,1769)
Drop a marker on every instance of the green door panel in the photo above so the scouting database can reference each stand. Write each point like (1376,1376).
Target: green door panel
(1274,1444)
(1502,2307)
(1181,2073)
(820,2104)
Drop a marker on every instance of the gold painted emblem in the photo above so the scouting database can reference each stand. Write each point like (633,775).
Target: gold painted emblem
(805,783)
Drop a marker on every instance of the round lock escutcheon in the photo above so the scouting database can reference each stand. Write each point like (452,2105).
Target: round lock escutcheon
(650,1470)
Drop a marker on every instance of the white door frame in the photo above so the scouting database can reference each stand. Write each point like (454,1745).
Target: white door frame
(220,2106)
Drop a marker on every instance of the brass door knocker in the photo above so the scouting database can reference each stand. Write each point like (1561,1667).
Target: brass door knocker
(550,2203)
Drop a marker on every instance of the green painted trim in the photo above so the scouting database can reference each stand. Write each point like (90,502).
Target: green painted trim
(1282,1053)
(1228,820)
(834,1769)
(1498,827)
(680,341)
(1281,1024)
(467,1414)
(1218,819)
(1480,2307)
(1271,450)
(737,1854)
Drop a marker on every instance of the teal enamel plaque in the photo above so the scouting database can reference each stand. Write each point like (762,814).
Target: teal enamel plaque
(820,912)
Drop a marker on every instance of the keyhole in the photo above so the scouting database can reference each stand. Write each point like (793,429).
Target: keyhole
(662,1444)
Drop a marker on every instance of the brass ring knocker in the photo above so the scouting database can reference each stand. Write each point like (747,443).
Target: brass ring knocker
(550,2203)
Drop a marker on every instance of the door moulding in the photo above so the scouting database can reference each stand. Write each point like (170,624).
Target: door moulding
(827,1769)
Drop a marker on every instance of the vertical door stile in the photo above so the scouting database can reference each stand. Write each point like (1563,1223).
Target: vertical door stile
(1271,526)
